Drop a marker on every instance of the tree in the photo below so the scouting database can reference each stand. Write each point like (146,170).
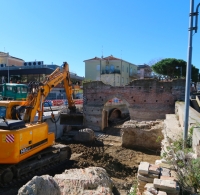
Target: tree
(174,68)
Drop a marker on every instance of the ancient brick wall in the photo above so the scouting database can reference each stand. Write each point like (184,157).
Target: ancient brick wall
(146,99)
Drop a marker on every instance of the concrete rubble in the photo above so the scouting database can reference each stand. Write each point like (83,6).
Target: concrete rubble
(85,135)
(88,181)
(156,180)
(40,185)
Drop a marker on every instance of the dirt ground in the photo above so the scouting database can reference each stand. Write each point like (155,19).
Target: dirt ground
(120,163)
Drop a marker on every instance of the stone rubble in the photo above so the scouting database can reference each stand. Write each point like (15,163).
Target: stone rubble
(85,135)
(88,181)
(156,180)
(144,134)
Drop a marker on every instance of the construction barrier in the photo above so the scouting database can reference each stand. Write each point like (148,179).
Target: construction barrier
(62,102)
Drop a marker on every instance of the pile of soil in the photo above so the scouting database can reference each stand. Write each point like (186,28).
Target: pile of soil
(120,163)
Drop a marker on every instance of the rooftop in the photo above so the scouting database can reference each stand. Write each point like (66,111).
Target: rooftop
(108,58)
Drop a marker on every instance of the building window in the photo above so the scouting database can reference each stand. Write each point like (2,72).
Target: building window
(118,79)
(112,68)
(107,69)
(127,80)
(123,68)
(127,69)
(122,79)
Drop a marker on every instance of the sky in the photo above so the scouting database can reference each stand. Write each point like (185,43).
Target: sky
(138,31)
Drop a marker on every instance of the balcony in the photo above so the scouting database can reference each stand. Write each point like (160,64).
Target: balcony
(114,71)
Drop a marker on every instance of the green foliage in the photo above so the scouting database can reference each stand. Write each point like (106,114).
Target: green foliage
(189,139)
(186,167)
(158,140)
(168,67)
(134,192)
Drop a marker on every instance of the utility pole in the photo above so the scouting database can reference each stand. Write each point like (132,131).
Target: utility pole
(8,67)
(188,71)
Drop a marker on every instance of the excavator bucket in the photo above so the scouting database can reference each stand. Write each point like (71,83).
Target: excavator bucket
(71,119)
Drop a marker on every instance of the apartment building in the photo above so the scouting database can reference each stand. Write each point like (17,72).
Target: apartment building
(110,70)
(7,60)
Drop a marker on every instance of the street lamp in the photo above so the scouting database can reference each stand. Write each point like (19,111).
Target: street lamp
(8,75)
(189,61)
(8,67)
(177,67)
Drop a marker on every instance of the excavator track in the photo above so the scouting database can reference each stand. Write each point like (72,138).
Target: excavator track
(13,187)
(12,175)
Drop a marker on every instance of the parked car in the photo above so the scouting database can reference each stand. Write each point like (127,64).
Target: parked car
(79,96)
(48,104)
(66,102)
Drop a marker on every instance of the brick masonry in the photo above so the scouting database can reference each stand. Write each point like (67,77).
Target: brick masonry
(145,99)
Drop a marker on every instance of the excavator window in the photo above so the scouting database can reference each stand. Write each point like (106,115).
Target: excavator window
(2,111)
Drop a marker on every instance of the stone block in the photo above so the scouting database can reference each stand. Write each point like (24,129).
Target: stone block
(196,141)
(165,172)
(145,178)
(163,164)
(162,193)
(174,174)
(154,169)
(168,178)
(148,185)
(153,175)
(147,193)
(166,185)
(143,168)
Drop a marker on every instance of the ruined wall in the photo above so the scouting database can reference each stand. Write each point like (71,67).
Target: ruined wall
(145,99)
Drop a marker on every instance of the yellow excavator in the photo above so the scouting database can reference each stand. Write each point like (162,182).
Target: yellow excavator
(25,142)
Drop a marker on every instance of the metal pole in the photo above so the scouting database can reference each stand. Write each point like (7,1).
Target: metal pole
(188,73)
(8,68)
(181,71)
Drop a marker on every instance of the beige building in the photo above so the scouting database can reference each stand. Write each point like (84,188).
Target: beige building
(110,70)
(7,60)
(144,71)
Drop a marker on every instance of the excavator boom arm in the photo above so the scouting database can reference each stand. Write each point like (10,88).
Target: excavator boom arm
(38,94)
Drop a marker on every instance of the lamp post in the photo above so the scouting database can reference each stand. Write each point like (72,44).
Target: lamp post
(177,67)
(8,75)
(8,67)
(188,71)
